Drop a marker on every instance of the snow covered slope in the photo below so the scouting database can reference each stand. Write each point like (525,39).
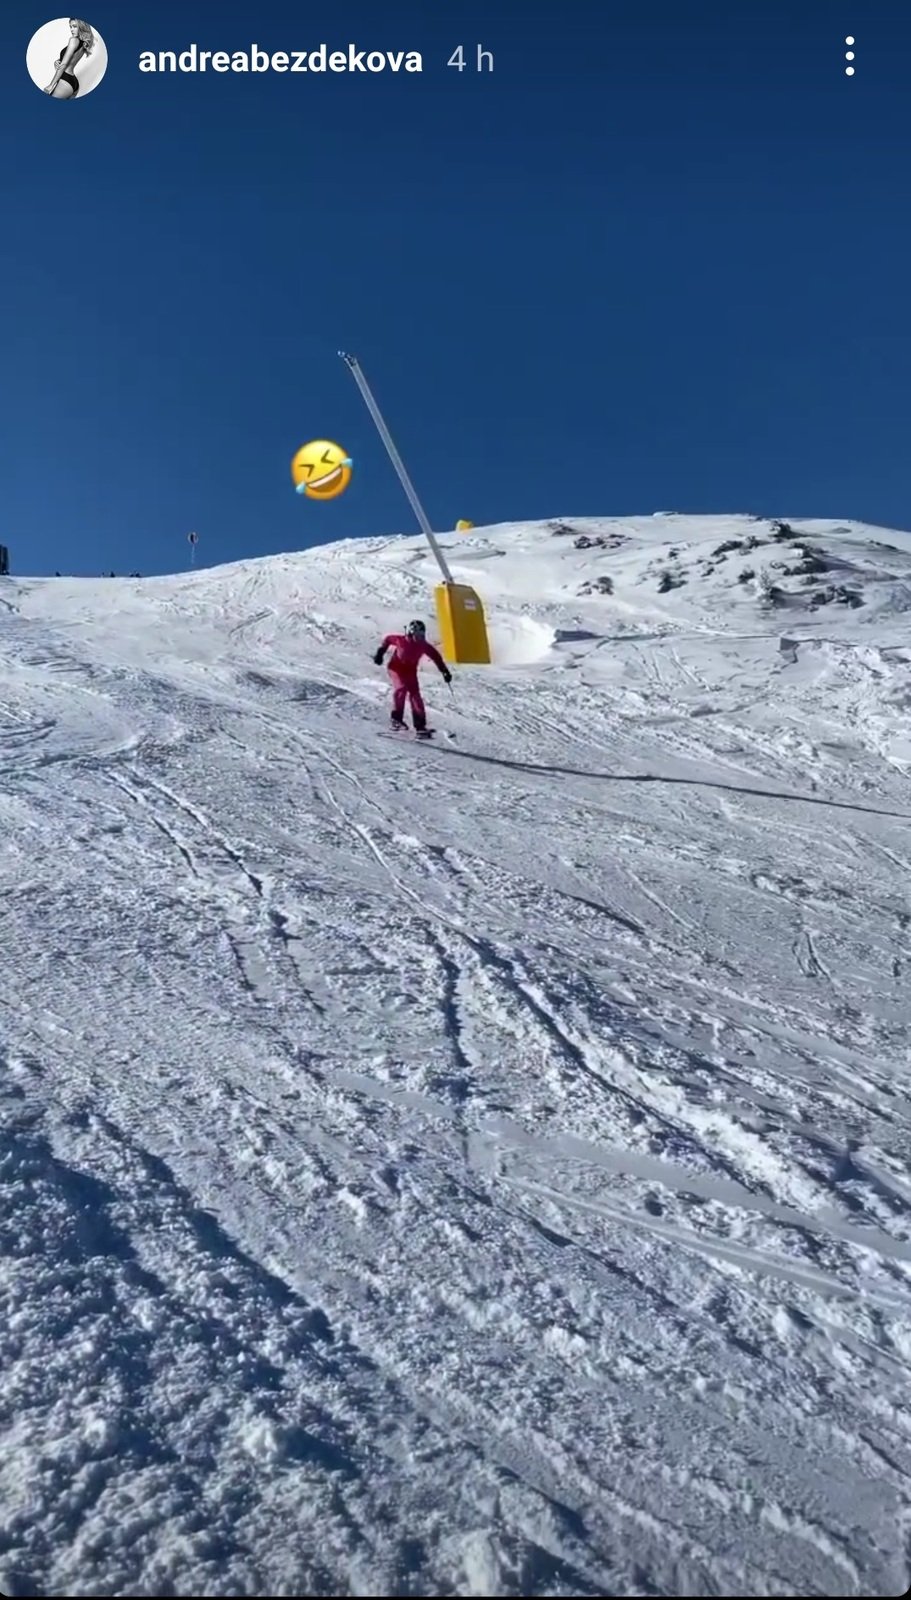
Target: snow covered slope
(477,1168)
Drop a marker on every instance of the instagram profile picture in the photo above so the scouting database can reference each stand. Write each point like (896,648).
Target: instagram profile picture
(67,58)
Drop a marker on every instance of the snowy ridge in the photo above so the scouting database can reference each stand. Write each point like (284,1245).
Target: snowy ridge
(472,1169)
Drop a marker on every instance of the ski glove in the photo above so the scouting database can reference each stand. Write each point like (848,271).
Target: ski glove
(447,677)
(378,658)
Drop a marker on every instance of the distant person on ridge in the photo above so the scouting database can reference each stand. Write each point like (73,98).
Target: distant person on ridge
(407,650)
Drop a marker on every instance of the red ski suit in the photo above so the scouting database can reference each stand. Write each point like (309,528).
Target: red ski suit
(403,670)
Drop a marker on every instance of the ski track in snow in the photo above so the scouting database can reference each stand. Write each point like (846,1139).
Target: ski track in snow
(472,1169)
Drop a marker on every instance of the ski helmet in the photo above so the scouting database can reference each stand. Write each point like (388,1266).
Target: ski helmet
(416,630)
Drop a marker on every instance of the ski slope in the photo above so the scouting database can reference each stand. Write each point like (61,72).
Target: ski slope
(475,1168)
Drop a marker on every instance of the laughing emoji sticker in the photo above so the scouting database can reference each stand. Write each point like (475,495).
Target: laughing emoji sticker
(321,470)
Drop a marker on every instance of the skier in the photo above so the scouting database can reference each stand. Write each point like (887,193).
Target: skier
(407,649)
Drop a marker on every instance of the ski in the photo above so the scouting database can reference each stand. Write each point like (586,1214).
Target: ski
(401,734)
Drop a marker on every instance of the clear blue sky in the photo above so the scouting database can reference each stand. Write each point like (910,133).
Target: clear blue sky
(657,260)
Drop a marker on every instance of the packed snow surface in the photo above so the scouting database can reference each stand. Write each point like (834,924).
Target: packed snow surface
(473,1168)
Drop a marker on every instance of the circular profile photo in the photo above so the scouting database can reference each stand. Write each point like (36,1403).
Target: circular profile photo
(66,59)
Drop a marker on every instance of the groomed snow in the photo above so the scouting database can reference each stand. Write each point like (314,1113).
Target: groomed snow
(470,1169)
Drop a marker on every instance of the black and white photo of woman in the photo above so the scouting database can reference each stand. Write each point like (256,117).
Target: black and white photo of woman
(65,85)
